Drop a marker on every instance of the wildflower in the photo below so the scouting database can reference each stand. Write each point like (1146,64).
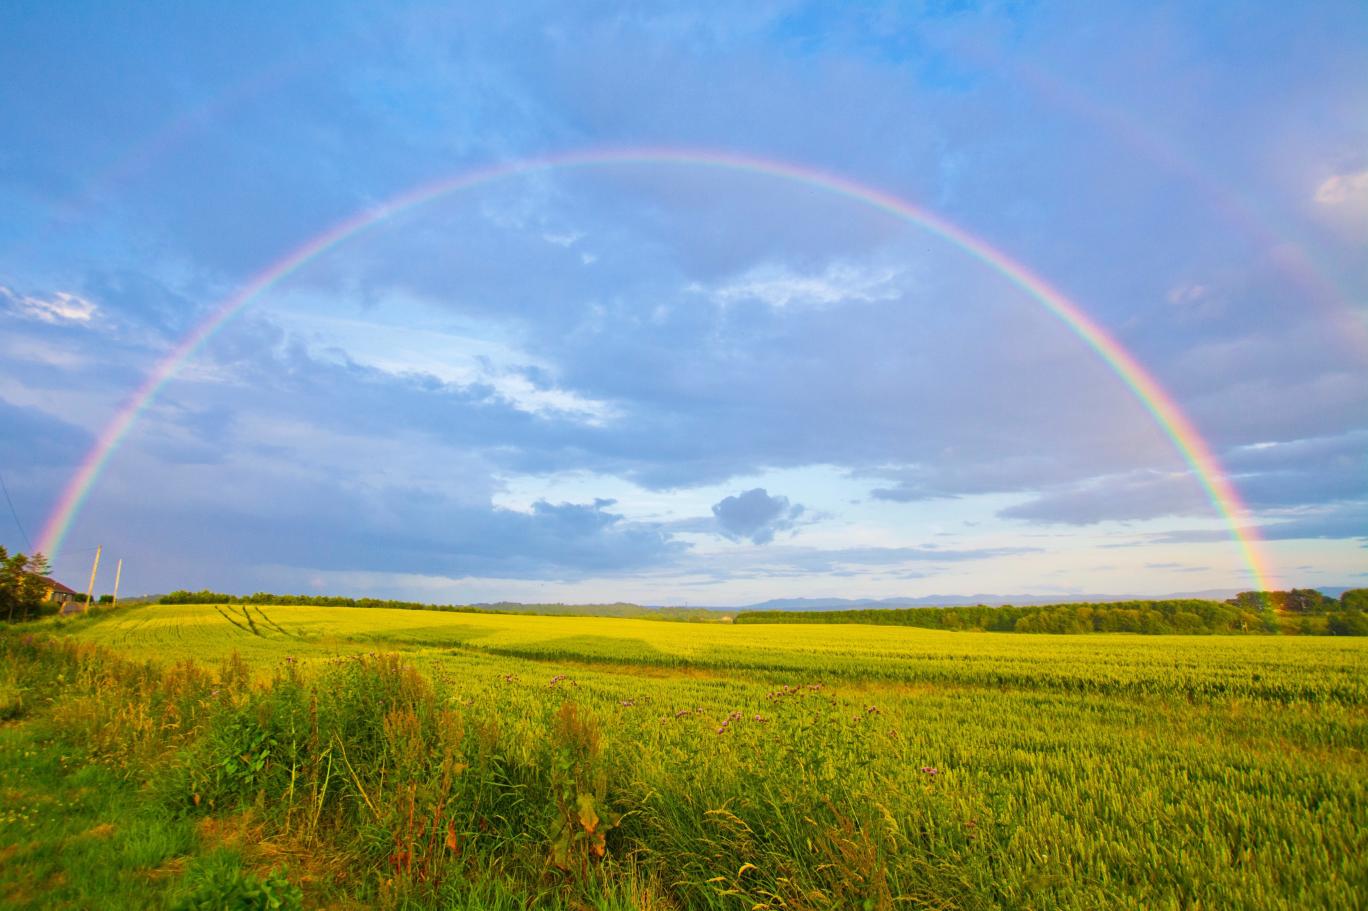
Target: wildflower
(930,770)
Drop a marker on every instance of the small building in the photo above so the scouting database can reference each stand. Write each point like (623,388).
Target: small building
(58,593)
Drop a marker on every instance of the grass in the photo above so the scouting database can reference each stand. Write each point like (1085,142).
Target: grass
(400,759)
(74,830)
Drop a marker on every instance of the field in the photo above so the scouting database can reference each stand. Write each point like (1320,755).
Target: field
(415,759)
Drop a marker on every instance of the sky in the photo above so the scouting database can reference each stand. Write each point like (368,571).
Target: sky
(622,369)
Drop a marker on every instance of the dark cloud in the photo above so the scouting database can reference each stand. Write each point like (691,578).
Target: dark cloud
(1340,521)
(30,437)
(396,529)
(1267,476)
(1142,495)
(790,561)
(756,515)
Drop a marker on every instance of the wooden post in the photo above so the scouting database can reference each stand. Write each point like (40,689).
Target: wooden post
(118,574)
(94,567)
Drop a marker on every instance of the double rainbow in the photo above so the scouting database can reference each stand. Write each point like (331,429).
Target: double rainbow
(1160,405)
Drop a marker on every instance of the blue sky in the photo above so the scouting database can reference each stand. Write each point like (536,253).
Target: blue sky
(683,384)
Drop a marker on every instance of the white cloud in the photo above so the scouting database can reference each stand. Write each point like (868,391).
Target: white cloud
(563,239)
(59,307)
(1343,188)
(461,359)
(780,287)
(1187,294)
(1195,300)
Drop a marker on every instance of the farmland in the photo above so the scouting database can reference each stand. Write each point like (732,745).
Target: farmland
(414,759)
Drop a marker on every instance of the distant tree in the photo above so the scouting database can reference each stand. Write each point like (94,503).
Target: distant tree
(1305,601)
(22,588)
(1186,622)
(1354,599)
(1253,601)
(1348,623)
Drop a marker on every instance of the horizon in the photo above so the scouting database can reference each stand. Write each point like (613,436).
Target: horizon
(715,307)
(1020,599)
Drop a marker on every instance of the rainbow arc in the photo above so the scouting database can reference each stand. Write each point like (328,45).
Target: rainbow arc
(1164,410)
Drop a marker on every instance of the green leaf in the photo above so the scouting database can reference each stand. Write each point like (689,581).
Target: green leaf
(588,817)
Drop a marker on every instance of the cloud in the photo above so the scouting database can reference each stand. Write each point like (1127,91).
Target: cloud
(778,286)
(1342,189)
(1267,476)
(1336,522)
(29,436)
(957,473)
(755,515)
(291,519)
(733,323)
(782,561)
(1140,495)
(1196,301)
(1296,472)
(58,307)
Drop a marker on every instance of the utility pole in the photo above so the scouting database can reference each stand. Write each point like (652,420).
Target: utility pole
(94,567)
(118,573)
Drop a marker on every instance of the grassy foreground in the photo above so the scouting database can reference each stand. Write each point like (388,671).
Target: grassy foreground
(403,759)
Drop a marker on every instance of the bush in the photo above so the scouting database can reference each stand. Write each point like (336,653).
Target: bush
(11,700)
(1349,623)
(227,887)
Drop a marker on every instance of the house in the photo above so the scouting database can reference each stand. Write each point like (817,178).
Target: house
(58,593)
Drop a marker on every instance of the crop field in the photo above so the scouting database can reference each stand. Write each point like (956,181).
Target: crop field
(418,759)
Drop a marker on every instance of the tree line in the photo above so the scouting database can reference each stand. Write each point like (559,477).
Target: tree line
(1295,612)
(615,609)
(181,596)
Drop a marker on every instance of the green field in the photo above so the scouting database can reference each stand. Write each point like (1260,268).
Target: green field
(416,759)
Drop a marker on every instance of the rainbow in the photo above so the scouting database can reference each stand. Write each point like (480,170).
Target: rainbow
(1161,407)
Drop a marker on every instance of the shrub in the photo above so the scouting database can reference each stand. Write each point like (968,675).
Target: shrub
(227,887)
(1348,623)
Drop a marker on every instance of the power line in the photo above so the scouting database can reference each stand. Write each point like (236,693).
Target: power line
(15,513)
